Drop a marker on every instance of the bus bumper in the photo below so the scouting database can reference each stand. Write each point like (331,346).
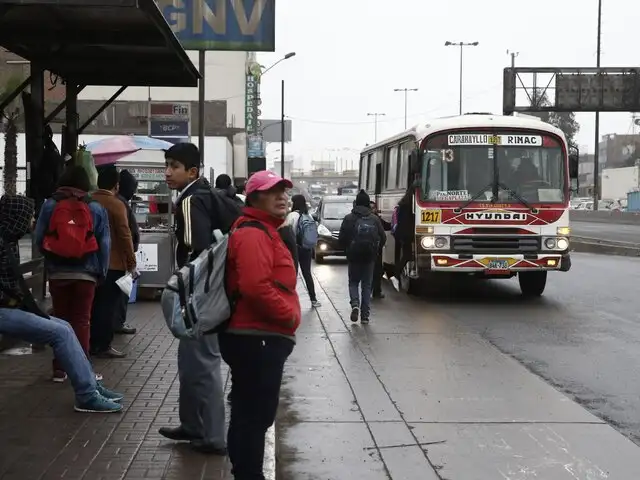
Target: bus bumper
(490,264)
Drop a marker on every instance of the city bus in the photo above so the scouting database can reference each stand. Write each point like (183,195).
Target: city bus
(490,198)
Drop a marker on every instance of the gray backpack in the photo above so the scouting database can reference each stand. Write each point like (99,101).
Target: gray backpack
(195,302)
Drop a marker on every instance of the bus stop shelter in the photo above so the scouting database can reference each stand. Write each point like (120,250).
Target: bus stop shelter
(84,42)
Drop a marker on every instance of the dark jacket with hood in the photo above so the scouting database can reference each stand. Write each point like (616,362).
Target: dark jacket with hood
(16,214)
(199,211)
(230,193)
(348,227)
(126,189)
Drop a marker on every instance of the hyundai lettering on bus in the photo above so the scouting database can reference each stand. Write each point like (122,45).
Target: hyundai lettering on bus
(490,198)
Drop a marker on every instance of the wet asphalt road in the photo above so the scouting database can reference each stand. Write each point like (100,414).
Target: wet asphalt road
(582,336)
(607,231)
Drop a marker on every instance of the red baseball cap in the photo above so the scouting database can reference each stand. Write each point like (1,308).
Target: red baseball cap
(265,180)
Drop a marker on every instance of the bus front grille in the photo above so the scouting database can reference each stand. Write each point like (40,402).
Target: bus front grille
(494,244)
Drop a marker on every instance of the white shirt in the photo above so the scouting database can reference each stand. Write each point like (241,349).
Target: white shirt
(292,220)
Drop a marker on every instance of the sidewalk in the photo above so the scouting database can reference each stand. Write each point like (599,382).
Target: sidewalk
(413,396)
(41,437)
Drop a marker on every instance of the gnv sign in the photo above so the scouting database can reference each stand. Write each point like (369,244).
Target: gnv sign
(496,216)
(238,25)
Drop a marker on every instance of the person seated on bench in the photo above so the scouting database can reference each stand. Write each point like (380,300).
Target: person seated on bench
(22,318)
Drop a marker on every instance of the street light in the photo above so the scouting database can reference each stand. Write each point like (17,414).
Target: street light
(461,45)
(286,57)
(375,121)
(406,91)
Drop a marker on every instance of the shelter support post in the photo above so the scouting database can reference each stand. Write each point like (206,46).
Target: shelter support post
(104,106)
(34,149)
(59,108)
(70,138)
(201,99)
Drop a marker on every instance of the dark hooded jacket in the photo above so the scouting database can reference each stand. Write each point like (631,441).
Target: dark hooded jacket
(348,227)
(16,215)
(126,189)
(230,193)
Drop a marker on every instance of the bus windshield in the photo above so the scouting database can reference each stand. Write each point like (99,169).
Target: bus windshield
(459,167)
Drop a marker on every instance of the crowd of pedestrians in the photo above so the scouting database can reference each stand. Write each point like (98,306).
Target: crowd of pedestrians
(89,238)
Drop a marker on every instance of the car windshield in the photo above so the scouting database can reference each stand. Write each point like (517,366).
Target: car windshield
(460,167)
(336,211)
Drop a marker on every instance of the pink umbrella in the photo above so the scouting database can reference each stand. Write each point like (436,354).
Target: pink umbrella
(110,150)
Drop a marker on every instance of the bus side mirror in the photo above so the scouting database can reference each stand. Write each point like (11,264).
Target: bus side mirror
(574,165)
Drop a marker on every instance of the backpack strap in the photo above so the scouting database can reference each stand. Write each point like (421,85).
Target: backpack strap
(254,224)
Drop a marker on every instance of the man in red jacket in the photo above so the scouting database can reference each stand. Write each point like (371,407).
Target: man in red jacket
(261,333)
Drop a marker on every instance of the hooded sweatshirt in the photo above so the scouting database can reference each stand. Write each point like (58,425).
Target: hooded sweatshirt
(16,214)
(348,227)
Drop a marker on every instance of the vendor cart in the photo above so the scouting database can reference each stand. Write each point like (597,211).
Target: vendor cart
(153,209)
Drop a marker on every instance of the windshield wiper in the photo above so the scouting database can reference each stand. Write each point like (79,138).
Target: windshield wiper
(474,198)
(518,197)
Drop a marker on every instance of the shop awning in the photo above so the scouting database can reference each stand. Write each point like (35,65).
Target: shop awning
(97,42)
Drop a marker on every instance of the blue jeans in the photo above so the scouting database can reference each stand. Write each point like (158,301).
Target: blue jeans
(361,275)
(59,334)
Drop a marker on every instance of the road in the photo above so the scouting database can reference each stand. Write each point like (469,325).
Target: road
(607,231)
(467,385)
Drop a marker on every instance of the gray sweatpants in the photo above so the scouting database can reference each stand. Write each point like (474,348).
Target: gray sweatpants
(201,390)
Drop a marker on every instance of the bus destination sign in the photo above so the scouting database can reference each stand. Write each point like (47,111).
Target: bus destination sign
(503,140)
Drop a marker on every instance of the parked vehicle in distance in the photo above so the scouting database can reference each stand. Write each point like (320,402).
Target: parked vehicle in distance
(329,215)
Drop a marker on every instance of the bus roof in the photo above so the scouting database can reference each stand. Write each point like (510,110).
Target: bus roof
(420,131)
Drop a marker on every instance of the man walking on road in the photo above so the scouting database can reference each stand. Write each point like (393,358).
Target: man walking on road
(362,236)
(199,211)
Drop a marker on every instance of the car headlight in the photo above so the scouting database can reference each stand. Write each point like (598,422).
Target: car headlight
(324,231)
(430,242)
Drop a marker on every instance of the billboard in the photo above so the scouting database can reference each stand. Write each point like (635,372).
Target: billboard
(271,130)
(237,25)
(170,121)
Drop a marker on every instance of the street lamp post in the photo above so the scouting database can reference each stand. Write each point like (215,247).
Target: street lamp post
(375,122)
(461,45)
(406,92)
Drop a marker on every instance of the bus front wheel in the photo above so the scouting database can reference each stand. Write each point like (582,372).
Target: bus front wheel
(532,284)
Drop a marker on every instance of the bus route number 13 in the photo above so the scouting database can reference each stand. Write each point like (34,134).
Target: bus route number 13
(430,216)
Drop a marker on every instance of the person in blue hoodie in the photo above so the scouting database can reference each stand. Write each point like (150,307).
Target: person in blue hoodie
(73,285)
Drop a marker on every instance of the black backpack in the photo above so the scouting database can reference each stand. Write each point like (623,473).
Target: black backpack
(366,240)
(225,211)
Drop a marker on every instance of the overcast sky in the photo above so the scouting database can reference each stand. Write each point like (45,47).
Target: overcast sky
(352,54)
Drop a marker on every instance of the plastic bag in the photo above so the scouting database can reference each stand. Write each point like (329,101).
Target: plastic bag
(125,283)
(84,159)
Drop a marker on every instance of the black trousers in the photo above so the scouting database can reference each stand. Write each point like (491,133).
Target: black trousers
(105,305)
(256,363)
(121,313)
(376,285)
(304,257)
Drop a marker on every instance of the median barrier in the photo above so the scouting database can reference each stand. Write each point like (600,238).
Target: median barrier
(605,216)
(604,247)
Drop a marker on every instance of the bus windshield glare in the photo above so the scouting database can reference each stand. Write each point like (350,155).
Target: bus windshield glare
(458,167)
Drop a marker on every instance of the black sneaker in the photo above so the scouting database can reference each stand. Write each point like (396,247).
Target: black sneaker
(355,313)
(178,434)
(364,320)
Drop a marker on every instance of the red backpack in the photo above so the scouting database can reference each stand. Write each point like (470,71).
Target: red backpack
(70,234)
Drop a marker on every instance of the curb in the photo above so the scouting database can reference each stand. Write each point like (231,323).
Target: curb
(270,453)
(604,247)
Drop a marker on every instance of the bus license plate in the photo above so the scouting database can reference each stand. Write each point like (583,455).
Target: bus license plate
(498,265)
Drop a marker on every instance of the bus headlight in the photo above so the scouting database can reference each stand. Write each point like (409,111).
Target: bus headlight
(555,243)
(430,242)
(563,231)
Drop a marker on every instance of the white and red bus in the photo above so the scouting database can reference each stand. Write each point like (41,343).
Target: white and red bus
(490,197)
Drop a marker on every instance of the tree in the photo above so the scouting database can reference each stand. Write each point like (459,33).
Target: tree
(10,120)
(565,121)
